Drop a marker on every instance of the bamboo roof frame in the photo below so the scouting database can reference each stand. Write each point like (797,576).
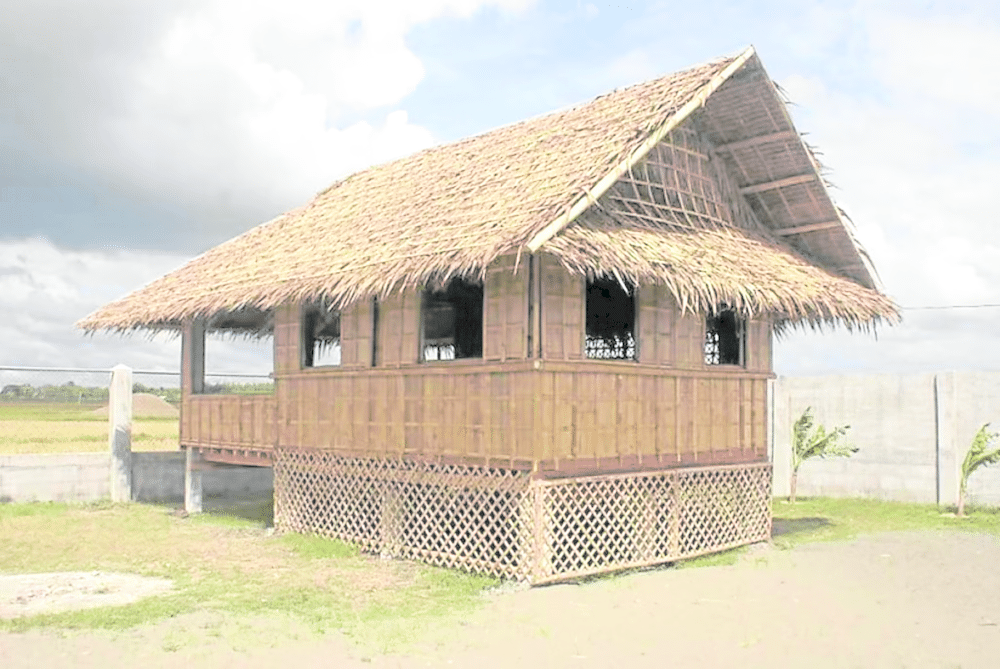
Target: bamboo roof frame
(555,184)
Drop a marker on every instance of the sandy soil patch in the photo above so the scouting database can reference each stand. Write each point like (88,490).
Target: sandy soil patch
(31,594)
(914,599)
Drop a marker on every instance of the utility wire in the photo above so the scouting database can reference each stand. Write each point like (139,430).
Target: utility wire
(952,306)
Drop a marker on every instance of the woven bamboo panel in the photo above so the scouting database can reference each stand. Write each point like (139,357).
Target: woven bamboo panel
(502,523)
(472,518)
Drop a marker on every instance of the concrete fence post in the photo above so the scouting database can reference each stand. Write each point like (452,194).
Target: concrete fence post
(948,456)
(779,434)
(194,464)
(120,433)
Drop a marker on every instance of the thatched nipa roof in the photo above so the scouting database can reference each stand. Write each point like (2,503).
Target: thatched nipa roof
(696,180)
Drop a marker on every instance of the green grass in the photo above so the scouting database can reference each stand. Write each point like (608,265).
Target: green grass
(823,519)
(222,564)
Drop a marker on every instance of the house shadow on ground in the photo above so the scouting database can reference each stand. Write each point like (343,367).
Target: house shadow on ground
(258,509)
(792,526)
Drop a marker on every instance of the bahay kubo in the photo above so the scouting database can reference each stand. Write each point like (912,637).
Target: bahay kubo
(554,338)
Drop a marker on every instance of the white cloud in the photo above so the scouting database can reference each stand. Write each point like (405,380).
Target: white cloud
(945,56)
(229,110)
(238,110)
(912,148)
(44,290)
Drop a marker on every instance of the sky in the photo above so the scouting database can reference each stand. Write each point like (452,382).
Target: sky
(137,135)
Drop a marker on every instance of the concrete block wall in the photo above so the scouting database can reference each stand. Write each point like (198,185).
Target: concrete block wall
(85,477)
(913,432)
(159,477)
(61,477)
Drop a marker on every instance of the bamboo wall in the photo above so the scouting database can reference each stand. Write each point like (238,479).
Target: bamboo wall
(229,421)
(559,414)
(560,417)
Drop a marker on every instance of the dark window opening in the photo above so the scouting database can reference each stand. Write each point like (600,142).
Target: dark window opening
(236,353)
(452,322)
(320,336)
(724,339)
(610,321)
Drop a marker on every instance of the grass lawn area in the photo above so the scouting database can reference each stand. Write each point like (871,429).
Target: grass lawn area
(74,428)
(231,566)
(824,519)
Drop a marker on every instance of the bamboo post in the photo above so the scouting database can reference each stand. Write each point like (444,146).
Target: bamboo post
(542,563)
(391,520)
(120,433)
(646,539)
(674,520)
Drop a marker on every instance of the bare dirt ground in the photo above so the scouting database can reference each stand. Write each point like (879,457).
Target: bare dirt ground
(30,594)
(920,599)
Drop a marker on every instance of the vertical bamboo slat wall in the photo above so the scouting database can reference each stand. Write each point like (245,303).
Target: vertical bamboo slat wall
(229,421)
(559,415)
(505,311)
(356,335)
(399,329)
(563,419)
(563,311)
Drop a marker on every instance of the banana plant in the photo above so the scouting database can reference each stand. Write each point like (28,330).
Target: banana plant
(980,455)
(809,442)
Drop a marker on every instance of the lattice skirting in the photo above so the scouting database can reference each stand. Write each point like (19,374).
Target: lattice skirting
(504,523)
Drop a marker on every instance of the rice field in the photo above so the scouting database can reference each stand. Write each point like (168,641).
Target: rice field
(75,428)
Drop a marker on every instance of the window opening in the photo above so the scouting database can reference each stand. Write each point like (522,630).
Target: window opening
(724,337)
(320,336)
(452,321)
(610,321)
(237,352)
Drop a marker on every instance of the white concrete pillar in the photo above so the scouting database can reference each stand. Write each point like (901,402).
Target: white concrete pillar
(193,467)
(120,433)
(780,435)
(949,455)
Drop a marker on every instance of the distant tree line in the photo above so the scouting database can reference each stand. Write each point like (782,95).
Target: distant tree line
(69,392)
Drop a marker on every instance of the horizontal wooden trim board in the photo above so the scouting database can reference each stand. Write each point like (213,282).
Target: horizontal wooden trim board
(453,368)
(808,227)
(784,135)
(551,469)
(548,469)
(257,457)
(778,183)
(512,464)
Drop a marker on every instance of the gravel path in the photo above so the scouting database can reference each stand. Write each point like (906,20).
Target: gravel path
(922,599)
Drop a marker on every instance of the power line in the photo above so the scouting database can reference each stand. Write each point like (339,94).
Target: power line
(952,306)
(88,370)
